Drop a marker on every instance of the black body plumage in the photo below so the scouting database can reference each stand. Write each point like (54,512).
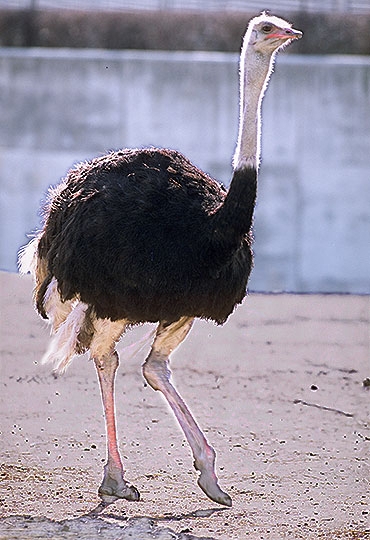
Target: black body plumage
(144,235)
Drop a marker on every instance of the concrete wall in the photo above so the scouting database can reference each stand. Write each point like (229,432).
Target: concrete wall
(312,225)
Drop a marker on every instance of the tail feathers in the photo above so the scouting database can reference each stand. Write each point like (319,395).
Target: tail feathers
(27,257)
(64,344)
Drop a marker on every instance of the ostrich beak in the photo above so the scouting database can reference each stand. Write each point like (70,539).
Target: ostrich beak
(287,33)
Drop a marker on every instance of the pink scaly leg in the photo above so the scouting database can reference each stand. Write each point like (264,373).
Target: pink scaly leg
(157,373)
(113,486)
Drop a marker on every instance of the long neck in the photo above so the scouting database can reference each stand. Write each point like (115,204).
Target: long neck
(233,219)
(254,74)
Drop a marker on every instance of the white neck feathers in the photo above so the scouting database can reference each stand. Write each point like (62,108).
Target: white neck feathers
(255,70)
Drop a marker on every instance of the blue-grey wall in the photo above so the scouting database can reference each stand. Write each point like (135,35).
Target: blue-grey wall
(312,225)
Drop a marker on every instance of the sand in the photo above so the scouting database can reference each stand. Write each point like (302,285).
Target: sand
(279,391)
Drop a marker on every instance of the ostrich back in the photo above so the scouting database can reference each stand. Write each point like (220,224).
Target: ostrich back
(131,234)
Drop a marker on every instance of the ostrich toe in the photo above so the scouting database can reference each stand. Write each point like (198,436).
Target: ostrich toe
(115,487)
(209,485)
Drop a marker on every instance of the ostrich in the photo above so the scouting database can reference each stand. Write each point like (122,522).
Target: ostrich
(143,235)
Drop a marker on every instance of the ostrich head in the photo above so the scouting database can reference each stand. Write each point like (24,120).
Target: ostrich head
(266,34)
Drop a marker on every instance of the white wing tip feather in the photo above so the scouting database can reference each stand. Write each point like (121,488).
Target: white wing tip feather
(63,346)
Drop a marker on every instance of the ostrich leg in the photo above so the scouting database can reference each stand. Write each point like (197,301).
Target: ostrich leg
(157,373)
(113,486)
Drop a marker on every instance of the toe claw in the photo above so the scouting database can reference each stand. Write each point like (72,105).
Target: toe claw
(133,494)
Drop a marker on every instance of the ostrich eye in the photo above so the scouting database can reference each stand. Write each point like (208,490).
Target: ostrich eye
(267,28)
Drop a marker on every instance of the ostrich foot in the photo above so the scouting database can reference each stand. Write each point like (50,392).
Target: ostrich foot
(115,487)
(207,482)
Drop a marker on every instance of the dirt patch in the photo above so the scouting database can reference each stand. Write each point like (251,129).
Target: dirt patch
(278,390)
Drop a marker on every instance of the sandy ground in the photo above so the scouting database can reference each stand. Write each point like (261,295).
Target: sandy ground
(279,391)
